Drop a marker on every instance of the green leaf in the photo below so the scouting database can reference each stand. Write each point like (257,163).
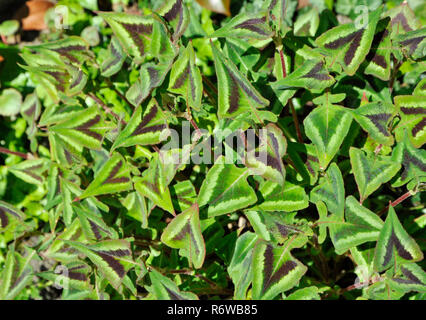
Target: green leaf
(236,94)
(31,171)
(311,75)
(360,225)
(9,27)
(164,288)
(375,118)
(185,78)
(371,171)
(348,44)
(176,14)
(113,177)
(247,26)
(412,43)
(395,246)
(412,159)
(93,226)
(225,189)
(307,23)
(331,191)
(151,128)
(10,102)
(411,277)
(73,275)
(184,194)
(84,128)
(111,257)
(327,126)
(288,198)
(184,232)
(114,60)
(274,270)
(266,159)
(154,185)
(240,269)
(308,293)
(8,213)
(412,110)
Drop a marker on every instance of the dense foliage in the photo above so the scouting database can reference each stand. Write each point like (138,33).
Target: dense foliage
(191,149)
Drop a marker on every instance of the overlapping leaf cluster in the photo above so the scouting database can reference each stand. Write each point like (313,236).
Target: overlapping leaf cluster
(111,216)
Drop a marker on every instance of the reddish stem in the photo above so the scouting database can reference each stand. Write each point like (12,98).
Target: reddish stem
(396,202)
(15,153)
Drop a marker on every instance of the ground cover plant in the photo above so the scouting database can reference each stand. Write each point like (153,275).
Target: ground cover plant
(213,149)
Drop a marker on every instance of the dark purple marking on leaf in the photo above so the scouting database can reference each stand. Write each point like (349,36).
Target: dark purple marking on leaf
(65,51)
(87,126)
(181,80)
(394,241)
(353,38)
(141,129)
(77,276)
(269,278)
(30,111)
(21,277)
(412,43)
(136,31)
(400,18)
(250,24)
(418,127)
(174,11)
(186,230)
(191,82)
(114,264)
(411,278)
(380,61)
(116,55)
(309,167)
(314,73)
(373,56)
(59,78)
(153,76)
(77,80)
(417,110)
(380,121)
(3,218)
(33,175)
(112,175)
(95,229)
(304,29)
(407,161)
(173,295)
(116,253)
(234,96)
(283,230)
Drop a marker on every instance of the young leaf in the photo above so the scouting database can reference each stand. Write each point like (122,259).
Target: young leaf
(327,127)
(395,246)
(184,232)
(185,78)
(371,171)
(151,128)
(113,177)
(225,189)
(348,44)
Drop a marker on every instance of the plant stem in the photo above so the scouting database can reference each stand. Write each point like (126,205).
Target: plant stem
(397,201)
(15,153)
(105,107)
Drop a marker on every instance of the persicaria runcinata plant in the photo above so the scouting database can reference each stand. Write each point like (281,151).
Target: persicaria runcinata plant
(195,150)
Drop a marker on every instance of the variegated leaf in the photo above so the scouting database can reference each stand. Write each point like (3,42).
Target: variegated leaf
(185,78)
(327,126)
(371,171)
(31,171)
(413,43)
(395,246)
(183,194)
(113,177)
(176,14)
(375,118)
(274,269)
(225,189)
(151,128)
(236,94)
(164,288)
(411,277)
(349,45)
(266,159)
(93,226)
(184,233)
(73,275)
(288,198)
(114,60)
(8,213)
(412,110)
(84,128)
(112,258)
